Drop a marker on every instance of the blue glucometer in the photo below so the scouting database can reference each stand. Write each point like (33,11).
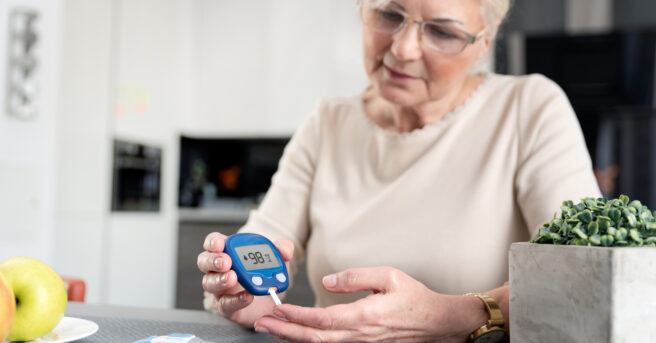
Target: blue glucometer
(257,262)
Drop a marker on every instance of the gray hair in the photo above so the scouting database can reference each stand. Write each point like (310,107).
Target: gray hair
(493,13)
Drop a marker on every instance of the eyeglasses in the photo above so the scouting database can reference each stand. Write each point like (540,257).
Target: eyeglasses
(436,35)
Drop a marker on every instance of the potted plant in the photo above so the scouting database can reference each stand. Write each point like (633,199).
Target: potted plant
(588,276)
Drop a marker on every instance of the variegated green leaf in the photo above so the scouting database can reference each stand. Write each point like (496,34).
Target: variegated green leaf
(585,216)
(579,232)
(595,239)
(601,222)
(611,231)
(635,235)
(615,215)
(621,234)
(624,199)
(607,240)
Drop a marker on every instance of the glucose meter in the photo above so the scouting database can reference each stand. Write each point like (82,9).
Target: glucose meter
(258,264)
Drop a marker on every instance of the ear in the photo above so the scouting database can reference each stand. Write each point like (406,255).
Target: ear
(487,44)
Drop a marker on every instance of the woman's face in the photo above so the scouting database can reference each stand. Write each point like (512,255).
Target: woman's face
(407,72)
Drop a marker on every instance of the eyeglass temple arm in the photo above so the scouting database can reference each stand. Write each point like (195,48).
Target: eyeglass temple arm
(472,39)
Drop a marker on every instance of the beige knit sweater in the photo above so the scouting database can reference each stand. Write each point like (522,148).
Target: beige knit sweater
(442,203)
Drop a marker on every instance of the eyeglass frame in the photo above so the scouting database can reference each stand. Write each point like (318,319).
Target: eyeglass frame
(471,39)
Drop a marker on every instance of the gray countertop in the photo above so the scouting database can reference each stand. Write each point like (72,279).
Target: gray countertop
(128,324)
(214,215)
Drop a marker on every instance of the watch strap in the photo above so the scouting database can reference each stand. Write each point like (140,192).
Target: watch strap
(495,322)
(496,316)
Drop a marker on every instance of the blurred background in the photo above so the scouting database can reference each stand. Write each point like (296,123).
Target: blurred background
(129,129)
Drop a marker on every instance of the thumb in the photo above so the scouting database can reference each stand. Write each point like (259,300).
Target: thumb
(377,280)
(286,248)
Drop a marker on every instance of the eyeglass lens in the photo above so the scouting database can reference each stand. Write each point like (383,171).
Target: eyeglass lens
(387,19)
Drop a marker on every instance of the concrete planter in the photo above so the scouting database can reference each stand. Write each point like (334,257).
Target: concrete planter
(579,294)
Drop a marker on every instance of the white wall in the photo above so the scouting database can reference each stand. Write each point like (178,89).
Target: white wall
(152,90)
(262,75)
(53,170)
(83,144)
(27,155)
(230,72)
(314,52)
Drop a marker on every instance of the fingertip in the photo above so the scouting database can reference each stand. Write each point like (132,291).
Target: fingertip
(284,307)
(226,263)
(265,321)
(329,281)
(260,325)
(214,242)
(286,248)
(260,329)
(278,314)
(206,243)
(245,296)
(231,279)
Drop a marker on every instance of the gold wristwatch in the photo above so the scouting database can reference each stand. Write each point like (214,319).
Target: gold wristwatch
(495,329)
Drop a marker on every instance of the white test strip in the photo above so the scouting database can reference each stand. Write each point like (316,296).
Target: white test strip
(274,295)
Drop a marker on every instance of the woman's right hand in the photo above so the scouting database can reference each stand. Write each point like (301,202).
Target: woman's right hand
(229,297)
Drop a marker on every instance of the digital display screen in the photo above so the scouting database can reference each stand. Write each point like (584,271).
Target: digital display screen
(257,256)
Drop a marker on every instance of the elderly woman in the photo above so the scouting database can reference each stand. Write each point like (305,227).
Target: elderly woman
(407,196)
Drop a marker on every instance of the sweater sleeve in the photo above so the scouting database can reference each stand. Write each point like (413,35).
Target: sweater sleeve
(554,164)
(284,211)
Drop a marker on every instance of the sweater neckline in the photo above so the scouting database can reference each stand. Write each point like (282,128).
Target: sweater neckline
(449,117)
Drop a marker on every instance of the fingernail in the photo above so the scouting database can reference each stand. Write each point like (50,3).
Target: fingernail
(242,297)
(278,313)
(261,329)
(330,280)
(223,278)
(211,244)
(218,263)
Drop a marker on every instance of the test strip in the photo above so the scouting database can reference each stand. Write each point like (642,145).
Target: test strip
(274,295)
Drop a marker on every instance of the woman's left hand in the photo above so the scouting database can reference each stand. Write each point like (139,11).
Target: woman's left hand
(401,309)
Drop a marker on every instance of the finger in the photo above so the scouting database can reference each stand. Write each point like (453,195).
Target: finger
(286,248)
(376,279)
(214,242)
(337,317)
(229,304)
(296,332)
(219,283)
(213,262)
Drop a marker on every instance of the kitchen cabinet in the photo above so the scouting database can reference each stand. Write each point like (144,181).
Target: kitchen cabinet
(191,235)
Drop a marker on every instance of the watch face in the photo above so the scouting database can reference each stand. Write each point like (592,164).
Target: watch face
(490,336)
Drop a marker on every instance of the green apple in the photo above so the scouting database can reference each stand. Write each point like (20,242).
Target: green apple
(40,297)
(7,307)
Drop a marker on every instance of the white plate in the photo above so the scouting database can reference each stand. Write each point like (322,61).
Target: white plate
(68,330)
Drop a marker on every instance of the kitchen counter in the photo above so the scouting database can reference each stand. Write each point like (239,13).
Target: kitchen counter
(214,214)
(129,324)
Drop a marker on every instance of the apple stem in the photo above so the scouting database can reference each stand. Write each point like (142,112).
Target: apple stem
(17,302)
